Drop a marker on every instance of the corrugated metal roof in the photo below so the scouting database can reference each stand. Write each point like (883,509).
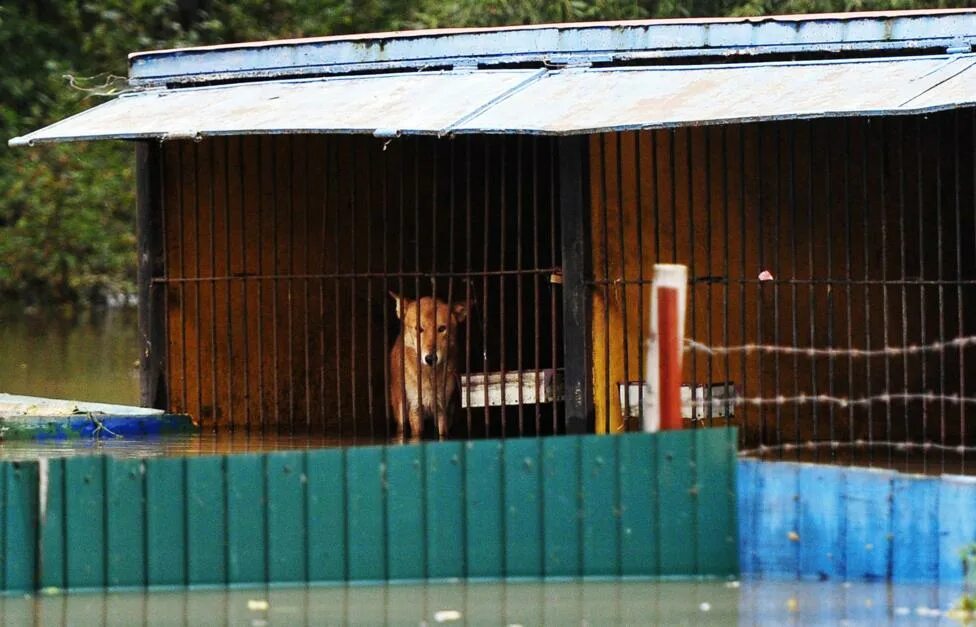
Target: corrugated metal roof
(401,103)
(532,101)
(604,42)
(618,99)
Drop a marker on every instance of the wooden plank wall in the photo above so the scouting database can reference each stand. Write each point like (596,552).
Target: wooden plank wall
(569,506)
(856,524)
(281,251)
(863,223)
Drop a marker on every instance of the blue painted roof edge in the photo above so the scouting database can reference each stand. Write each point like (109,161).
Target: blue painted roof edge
(605,42)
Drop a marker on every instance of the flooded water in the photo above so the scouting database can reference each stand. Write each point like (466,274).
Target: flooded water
(177,445)
(91,356)
(528,603)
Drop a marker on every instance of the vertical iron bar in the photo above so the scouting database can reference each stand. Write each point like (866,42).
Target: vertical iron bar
(777,227)
(468,266)
(794,297)
(848,277)
(727,270)
(882,184)
(180,219)
(306,255)
(337,291)
(451,210)
(940,270)
(742,261)
(416,279)
(519,148)
(553,312)
(385,204)
(962,331)
(214,401)
(434,159)
(353,148)
(484,289)
(196,274)
(811,287)
(575,229)
(368,147)
(290,284)
(401,175)
(230,287)
(625,335)
(829,209)
(502,220)
(692,273)
(605,253)
(761,254)
(709,256)
(639,223)
(865,214)
(535,280)
(903,272)
(324,210)
(275,197)
(921,274)
(150,227)
(242,177)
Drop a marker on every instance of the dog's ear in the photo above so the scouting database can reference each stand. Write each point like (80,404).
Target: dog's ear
(460,311)
(399,303)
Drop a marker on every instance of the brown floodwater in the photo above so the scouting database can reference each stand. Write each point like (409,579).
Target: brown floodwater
(91,356)
(506,603)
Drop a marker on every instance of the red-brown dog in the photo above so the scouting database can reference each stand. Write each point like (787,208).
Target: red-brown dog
(423,362)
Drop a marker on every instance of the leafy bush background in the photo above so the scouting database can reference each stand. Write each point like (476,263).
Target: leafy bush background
(67,213)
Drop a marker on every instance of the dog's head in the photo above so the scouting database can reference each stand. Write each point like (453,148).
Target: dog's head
(429,326)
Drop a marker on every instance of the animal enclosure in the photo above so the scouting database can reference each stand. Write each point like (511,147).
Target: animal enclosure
(280,252)
(861,230)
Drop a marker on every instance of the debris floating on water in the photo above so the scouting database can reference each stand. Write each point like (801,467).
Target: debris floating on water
(447,616)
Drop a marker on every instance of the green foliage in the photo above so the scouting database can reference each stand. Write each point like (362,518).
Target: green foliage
(67,213)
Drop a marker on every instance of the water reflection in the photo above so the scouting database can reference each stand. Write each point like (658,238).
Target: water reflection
(472,604)
(88,356)
(530,603)
(177,445)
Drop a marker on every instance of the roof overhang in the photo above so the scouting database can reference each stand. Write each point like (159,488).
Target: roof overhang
(549,102)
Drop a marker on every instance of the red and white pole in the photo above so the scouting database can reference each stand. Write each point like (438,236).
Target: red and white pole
(662,400)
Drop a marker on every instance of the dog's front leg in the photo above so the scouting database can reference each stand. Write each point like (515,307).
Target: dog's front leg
(443,422)
(416,422)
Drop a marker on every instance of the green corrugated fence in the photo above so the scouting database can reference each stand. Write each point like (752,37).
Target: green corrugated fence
(591,506)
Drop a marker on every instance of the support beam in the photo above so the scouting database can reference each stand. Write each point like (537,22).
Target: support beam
(577,339)
(152,312)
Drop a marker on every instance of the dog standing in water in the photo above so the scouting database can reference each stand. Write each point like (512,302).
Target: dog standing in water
(423,362)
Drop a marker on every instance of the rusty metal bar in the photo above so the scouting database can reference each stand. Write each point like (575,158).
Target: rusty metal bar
(848,272)
(469,153)
(247,358)
(621,212)
(794,297)
(865,216)
(486,180)
(230,287)
(903,271)
(919,129)
(554,252)
(368,210)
